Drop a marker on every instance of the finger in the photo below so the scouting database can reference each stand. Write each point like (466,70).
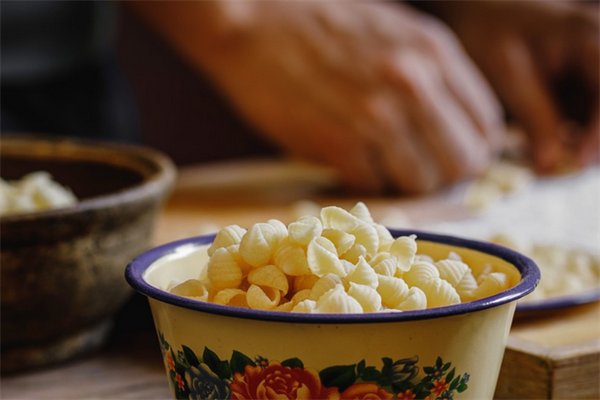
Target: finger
(320,136)
(471,90)
(519,83)
(445,128)
(588,151)
(407,167)
(351,155)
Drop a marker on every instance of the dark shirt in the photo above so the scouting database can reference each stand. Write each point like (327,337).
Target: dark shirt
(42,39)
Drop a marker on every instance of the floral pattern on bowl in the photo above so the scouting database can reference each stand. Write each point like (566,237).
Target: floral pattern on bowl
(240,377)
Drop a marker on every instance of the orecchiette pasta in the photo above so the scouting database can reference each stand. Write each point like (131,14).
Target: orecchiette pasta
(340,262)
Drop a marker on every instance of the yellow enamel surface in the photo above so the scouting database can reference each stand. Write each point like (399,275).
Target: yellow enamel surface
(474,343)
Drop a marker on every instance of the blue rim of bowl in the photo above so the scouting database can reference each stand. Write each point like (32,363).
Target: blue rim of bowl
(530,277)
(554,303)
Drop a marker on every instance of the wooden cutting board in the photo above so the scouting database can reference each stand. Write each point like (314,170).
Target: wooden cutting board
(554,356)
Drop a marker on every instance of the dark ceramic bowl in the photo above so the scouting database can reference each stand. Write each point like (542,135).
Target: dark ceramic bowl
(62,270)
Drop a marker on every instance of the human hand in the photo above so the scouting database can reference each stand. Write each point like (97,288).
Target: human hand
(378,91)
(534,53)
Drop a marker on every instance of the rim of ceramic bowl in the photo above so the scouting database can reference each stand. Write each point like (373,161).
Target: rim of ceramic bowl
(530,276)
(157,170)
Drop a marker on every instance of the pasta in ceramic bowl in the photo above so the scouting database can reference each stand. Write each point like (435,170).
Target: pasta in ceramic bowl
(335,306)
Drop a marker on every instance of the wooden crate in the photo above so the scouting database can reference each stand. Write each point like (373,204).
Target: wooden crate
(554,357)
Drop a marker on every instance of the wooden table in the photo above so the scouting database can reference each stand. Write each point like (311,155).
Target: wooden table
(547,357)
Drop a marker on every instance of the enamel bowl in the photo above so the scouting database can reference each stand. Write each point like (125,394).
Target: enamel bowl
(62,269)
(221,352)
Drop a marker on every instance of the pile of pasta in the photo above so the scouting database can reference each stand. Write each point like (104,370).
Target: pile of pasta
(34,192)
(340,262)
(564,271)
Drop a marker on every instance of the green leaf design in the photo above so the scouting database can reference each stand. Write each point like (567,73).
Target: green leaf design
(190,356)
(238,362)
(370,374)
(223,370)
(293,363)
(211,359)
(360,367)
(163,342)
(450,375)
(341,376)
(182,396)
(428,370)
(454,383)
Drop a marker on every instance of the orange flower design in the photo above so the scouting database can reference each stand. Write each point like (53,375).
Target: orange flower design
(170,362)
(279,382)
(440,387)
(180,382)
(407,395)
(363,391)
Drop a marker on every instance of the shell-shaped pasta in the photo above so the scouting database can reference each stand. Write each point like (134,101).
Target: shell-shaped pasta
(234,250)
(291,259)
(509,177)
(361,211)
(386,267)
(301,296)
(355,252)
(337,301)
(231,297)
(458,274)
(323,259)
(281,231)
(325,284)
(337,218)
(583,265)
(258,244)
(379,257)
(415,300)
(304,230)
(367,236)
(424,257)
(226,237)
(269,276)
(303,282)
(341,240)
(305,307)
(480,195)
(454,256)
(385,238)
(510,241)
(485,271)
(392,290)
(368,298)
(286,307)
(363,274)
(191,288)
(494,283)
(419,273)
(222,271)
(263,298)
(439,293)
(404,249)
